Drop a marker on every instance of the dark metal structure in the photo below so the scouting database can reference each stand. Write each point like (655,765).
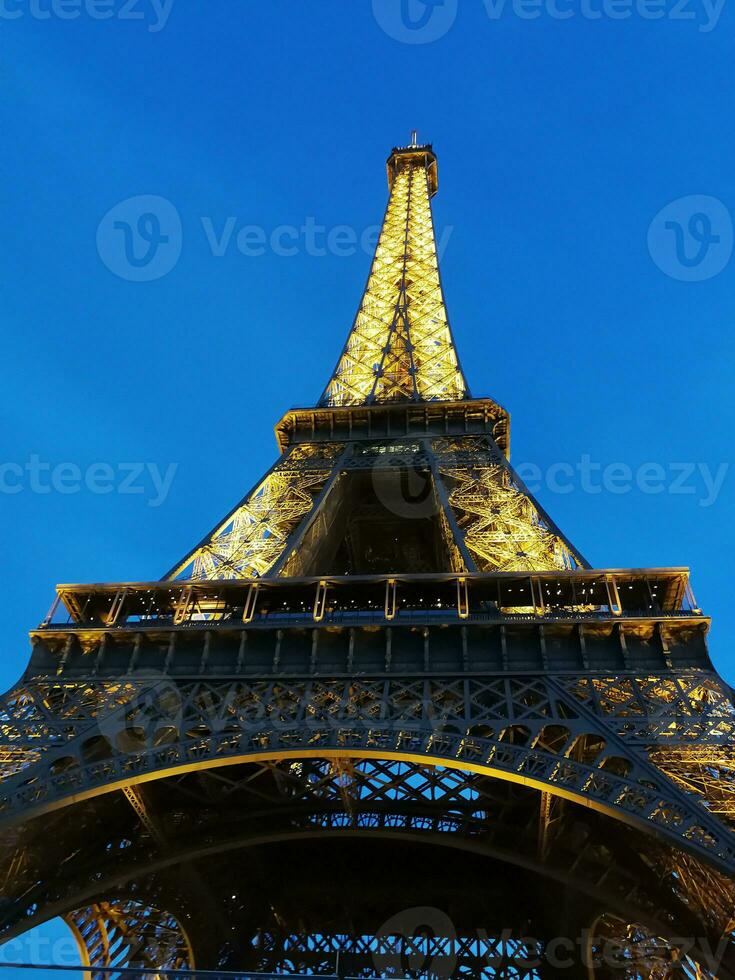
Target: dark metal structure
(384,720)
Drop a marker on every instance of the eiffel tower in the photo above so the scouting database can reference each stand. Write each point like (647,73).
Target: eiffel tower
(384,719)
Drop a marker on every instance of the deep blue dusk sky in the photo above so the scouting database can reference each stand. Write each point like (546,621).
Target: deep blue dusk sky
(559,141)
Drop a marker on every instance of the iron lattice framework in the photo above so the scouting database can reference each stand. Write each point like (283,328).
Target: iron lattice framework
(384,719)
(400,346)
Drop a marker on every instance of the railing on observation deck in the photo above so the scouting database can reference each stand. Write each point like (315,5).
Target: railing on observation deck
(377,600)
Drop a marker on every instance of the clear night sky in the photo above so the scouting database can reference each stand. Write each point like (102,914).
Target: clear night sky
(559,141)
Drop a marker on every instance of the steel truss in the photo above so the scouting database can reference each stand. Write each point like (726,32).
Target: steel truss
(541,731)
(489,521)
(623,950)
(253,536)
(389,651)
(400,347)
(323,800)
(128,934)
(400,351)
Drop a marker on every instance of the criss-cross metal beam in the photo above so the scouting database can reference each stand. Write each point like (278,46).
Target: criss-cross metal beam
(400,347)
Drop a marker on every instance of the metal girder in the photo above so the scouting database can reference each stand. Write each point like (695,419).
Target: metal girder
(318,800)
(489,520)
(498,521)
(537,731)
(126,934)
(401,347)
(619,949)
(135,798)
(253,536)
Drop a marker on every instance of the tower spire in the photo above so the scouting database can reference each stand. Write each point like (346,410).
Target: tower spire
(400,347)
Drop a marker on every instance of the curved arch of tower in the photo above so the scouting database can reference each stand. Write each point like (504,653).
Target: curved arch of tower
(384,719)
(126,933)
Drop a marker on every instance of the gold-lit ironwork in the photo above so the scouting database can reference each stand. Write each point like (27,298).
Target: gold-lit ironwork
(705,770)
(252,538)
(400,351)
(400,347)
(500,524)
(622,950)
(388,643)
(126,934)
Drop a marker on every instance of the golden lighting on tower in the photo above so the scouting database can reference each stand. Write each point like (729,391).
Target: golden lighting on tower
(400,347)
(400,351)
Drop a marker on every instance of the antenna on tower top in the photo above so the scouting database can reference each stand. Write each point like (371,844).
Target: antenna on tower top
(414,137)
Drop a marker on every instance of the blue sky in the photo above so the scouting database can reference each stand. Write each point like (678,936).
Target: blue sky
(560,139)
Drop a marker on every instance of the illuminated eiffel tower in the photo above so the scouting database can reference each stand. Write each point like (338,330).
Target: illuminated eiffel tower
(384,720)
